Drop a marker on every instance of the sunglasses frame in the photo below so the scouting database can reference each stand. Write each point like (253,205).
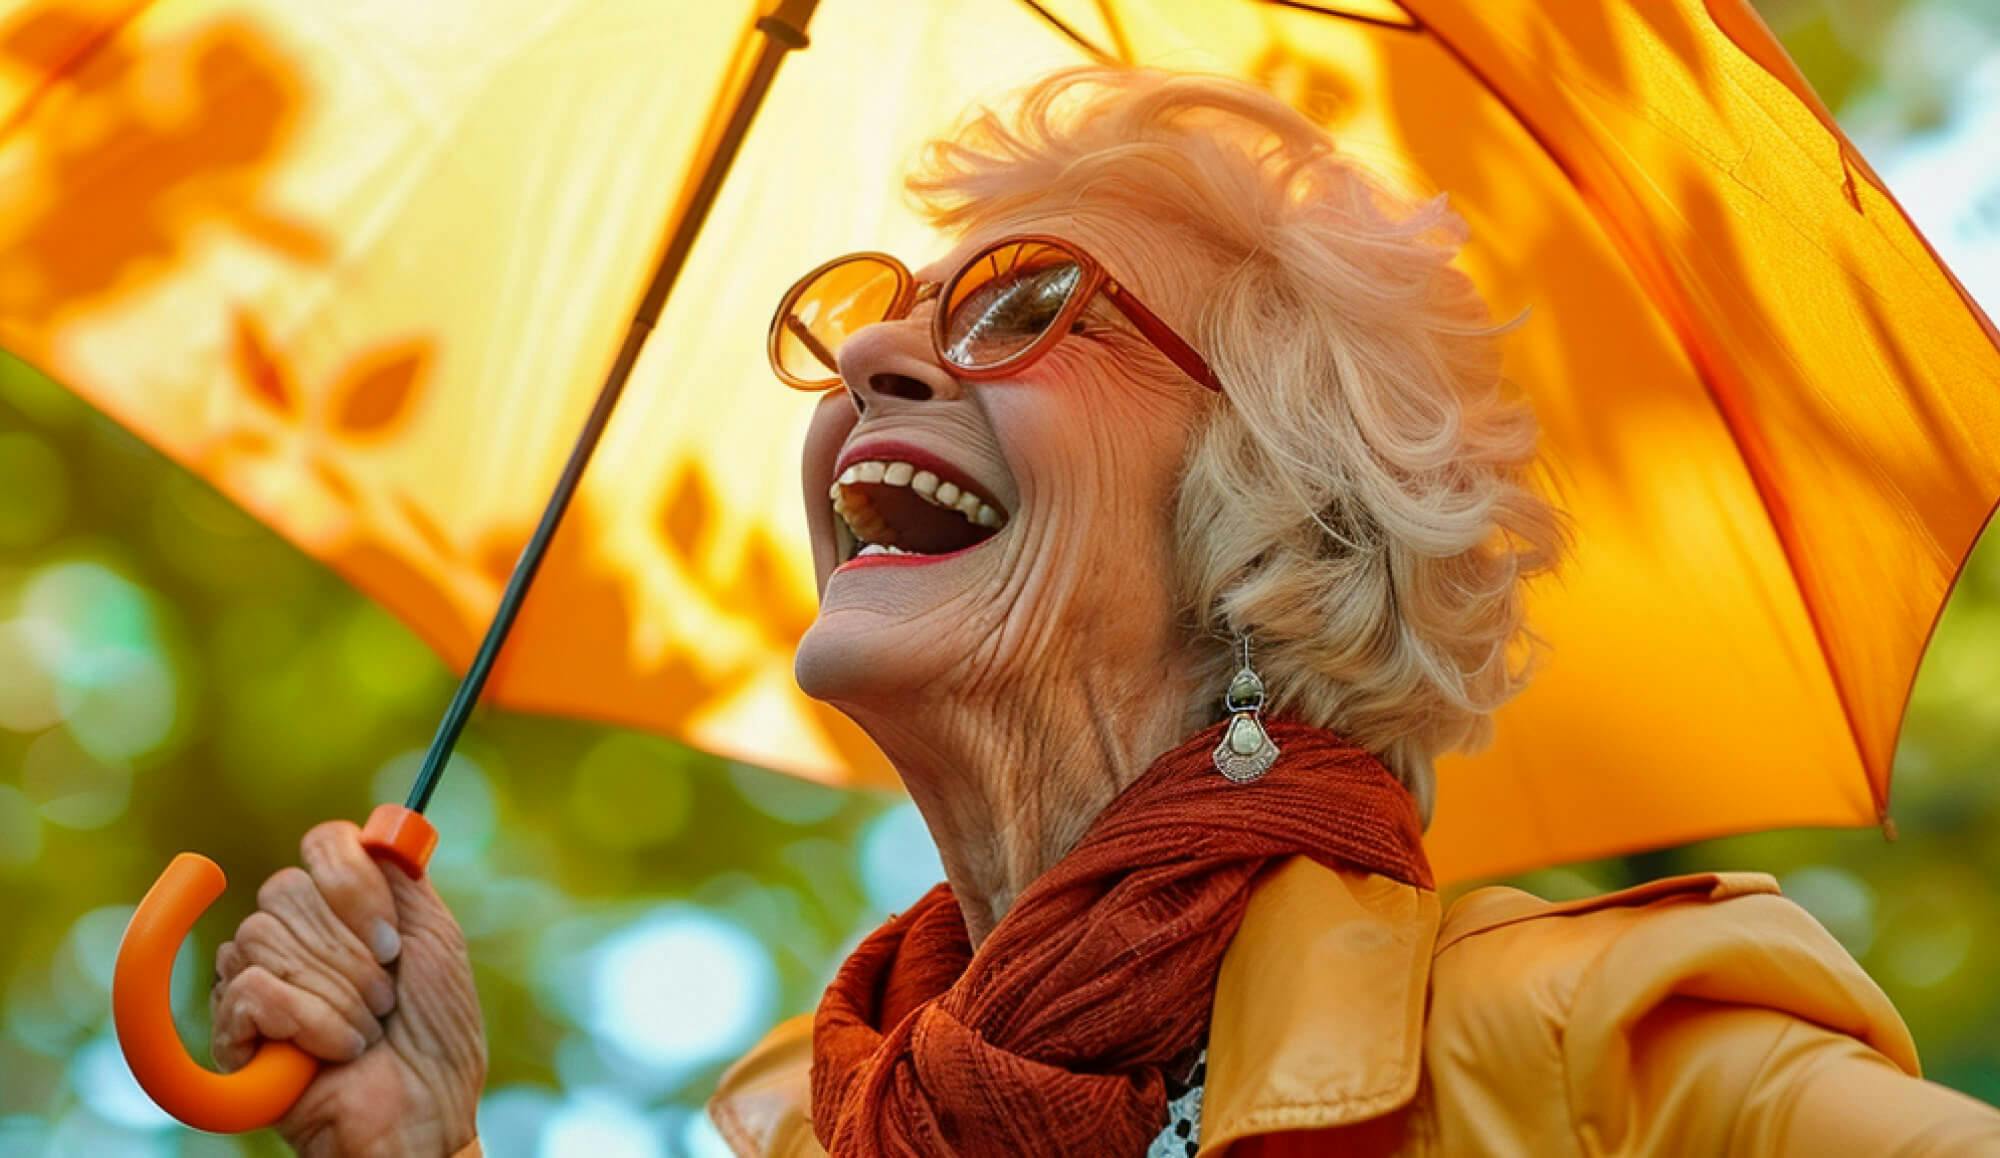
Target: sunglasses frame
(910,293)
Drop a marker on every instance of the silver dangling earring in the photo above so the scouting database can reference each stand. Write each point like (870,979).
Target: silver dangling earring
(1245,751)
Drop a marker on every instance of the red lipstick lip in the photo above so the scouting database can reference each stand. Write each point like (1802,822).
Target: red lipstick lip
(916,456)
(866,561)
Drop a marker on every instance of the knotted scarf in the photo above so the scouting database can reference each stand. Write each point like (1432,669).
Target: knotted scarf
(1053,1038)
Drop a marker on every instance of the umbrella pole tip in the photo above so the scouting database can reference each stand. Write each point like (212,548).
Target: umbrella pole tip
(1888,826)
(787,23)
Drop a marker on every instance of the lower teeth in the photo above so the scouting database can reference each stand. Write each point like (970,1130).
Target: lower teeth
(880,549)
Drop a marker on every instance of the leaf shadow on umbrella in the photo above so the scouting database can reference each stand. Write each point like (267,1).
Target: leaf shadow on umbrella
(298,445)
(574,650)
(1800,408)
(1472,158)
(1588,35)
(1927,553)
(144,157)
(294,447)
(756,579)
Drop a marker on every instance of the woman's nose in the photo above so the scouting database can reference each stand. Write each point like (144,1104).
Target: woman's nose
(891,364)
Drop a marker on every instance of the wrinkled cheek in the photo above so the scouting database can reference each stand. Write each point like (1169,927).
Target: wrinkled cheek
(1095,544)
(831,421)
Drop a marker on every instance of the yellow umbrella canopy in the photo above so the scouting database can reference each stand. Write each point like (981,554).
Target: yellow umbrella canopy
(364,265)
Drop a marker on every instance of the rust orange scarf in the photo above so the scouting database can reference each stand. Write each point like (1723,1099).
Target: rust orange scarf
(1052,1038)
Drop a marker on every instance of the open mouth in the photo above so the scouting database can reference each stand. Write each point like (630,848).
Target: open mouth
(902,503)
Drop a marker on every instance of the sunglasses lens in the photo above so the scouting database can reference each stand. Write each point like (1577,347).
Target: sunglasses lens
(823,312)
(1005,300)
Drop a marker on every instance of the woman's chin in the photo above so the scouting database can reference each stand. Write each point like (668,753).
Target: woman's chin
(855,656)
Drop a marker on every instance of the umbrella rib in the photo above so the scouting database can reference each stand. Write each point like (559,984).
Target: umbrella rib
(1709,370)
(1075,37)
(1323,8)
(1117,30)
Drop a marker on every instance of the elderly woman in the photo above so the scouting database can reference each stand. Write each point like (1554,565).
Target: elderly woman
(1168,527)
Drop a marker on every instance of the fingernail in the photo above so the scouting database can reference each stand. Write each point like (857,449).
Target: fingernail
(356,1044)
(381,997)
(385,942)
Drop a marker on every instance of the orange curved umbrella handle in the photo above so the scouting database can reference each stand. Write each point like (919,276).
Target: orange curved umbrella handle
(141,1002)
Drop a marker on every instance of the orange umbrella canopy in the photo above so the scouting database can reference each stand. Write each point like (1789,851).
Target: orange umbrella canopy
(363,266)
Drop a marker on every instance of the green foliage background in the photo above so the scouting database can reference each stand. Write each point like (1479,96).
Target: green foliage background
(174,676)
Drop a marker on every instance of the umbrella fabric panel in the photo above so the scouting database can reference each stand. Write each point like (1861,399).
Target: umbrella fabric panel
(363,268)
(374,312)
(1861,389)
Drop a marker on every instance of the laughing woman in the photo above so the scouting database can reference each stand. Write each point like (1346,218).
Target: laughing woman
(1178,523)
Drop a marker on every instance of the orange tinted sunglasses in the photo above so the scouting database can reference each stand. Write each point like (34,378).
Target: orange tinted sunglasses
(1008,305)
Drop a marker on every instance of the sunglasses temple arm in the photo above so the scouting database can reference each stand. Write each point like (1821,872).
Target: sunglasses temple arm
(811,342)
(1162,336)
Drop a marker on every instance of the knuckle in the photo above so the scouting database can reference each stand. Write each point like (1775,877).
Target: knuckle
(259,930)
(268,947)
(340,884)
(334,837)
(250,993)
(283,887)
(265,992)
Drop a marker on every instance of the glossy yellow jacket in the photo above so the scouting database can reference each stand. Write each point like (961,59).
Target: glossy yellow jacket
(1702,1015)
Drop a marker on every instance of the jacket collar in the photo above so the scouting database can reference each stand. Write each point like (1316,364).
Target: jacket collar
(1319,1007)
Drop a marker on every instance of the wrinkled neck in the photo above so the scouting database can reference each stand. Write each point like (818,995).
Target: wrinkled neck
(1010,790)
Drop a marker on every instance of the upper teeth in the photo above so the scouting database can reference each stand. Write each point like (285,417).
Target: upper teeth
(855,510)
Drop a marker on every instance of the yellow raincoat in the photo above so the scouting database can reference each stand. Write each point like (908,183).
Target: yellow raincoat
(1700,1015)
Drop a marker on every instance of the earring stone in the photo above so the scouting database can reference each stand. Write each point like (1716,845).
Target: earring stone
(1246,750)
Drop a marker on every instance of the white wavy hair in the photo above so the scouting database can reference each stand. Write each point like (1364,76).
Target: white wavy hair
(1358,505)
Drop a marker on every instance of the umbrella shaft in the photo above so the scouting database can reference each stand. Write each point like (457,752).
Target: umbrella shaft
(782,31)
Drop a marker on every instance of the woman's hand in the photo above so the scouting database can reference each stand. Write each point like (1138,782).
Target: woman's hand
(364,968)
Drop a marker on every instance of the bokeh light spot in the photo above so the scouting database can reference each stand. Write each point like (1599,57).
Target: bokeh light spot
(94,632)
(93,943)
(124,704)
(898,861)
(22,1136)
(631,791)
(513,1118)
(72,785)
(680,988)
(786,798)
(1837,899)
(600,1126)
(27,694)
(700,1139)
(462,809)
(1928,944)
(99,1074)
(79,609)
(385,659)
(83,1134)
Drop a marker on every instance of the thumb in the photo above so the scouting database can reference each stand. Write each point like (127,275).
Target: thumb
(438,1007)
(427,926)
(435,1029)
